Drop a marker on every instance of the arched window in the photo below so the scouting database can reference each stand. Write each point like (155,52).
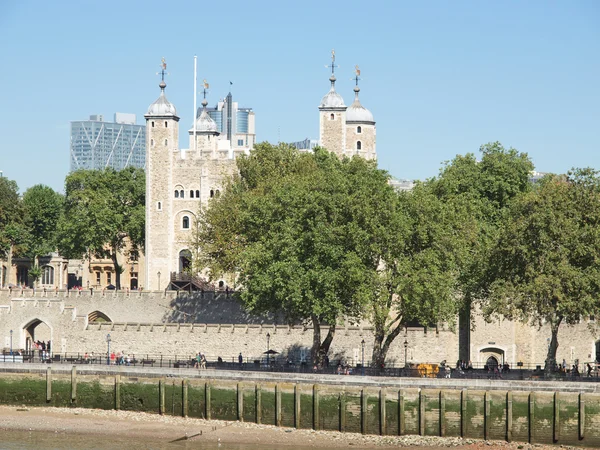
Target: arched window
(212,193)
(358,145)
(166,124)
(221,284)
(332,116)
(151,142)
(181,193)
(358,130)
(197,194)
(47,275)
(166,142)
(153,124)
(176,194)
(185,223)
(217,193)
(159,206)
(191,194)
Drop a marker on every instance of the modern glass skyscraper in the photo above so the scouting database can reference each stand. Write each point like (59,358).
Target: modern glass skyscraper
(96,144)
(234,123)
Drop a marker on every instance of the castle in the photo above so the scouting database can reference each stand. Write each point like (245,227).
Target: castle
(178,180)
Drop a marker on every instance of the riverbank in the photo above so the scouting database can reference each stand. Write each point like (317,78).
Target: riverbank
(169,431)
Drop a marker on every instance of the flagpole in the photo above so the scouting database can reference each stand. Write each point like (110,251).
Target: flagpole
(195,109)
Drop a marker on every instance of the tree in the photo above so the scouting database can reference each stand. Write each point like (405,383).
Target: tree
(284,225)
(11,221)
(545,268)
(104,211)
(42,208)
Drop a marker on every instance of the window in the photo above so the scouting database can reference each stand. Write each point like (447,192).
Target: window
(176,194)
(153,124)
(185,224)
(108,278)
(181,193)
(47,275)
(197,194)
(98,278)
(332,116)
(358,130)
(166,124)
(240,142)
(151,142)
(134,255)
(159,206)
(358,145)
(166,142)
(212,193)
(191,194)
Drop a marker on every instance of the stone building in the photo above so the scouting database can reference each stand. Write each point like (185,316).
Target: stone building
(179,181)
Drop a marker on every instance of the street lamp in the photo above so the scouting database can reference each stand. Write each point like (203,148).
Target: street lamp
(405,353)
(268,345)
(11,342)
(158,273)
(108,351)
(363,357)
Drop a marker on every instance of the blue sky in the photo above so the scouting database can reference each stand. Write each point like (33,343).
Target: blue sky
(441,78)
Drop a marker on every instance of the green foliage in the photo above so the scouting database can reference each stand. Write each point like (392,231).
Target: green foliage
(42,209)
(103,210)
(11,215)
(545,265)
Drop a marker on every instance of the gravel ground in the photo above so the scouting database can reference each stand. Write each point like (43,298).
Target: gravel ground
(167,429)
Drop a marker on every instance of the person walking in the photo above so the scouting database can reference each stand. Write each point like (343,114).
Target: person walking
(589,370)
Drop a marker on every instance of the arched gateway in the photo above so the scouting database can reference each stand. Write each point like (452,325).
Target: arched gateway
(35,330)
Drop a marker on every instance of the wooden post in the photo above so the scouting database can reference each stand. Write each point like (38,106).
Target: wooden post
(509,416)
(421,413)
(401,422)
(74,383)
(207,400)
(258,400)
(161,396)
(531,416)
(581,416)
(118,392)
(363,411)
(382,412)
(48,384)
(297,394)
(342,412)
(556,418)
(240,402)
(463,413)
(184,397)
(315,407)
(278,404)
(442,413)
(486,415)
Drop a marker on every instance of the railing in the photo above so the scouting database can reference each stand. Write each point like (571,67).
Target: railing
(279,364)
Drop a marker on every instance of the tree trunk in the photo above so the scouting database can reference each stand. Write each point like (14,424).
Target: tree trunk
(552,348)
(113,256)
(382,345)
(9,263)
(314,351)
(324,348)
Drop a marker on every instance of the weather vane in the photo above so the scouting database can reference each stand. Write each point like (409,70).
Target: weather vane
(205,84)
(333,65)
(356,74)
(163,69)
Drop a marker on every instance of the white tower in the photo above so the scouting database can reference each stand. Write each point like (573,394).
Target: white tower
(332,112)
(162,131)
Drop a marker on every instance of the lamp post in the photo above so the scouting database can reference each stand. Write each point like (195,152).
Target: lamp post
(108,351)
(362,343)
(268,345)
(11,342)
(158,273)
(405,353)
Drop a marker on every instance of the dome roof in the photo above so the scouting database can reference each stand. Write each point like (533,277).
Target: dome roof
(332,99)
(162,106)
(356,112)
(205,123)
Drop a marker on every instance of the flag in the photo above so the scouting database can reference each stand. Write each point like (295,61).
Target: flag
(231,83)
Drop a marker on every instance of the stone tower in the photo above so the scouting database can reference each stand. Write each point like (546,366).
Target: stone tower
(332,122)
(162,131)
(360,128)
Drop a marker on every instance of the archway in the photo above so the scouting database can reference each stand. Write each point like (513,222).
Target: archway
(98,316)
(491,363)
(493,356)
(36,331)
(185,260)
(22,275)
(133,284)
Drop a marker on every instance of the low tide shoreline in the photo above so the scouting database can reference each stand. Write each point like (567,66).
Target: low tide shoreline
(173,430)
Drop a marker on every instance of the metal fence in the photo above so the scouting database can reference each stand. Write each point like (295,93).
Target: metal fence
(278,364)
